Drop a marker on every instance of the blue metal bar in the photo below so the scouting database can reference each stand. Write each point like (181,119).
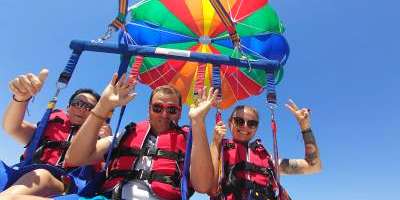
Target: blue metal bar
(265,64)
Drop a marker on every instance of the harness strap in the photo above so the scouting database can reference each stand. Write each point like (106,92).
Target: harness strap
(152,152)
(62,145)
(238,185)
(146,175)
(246,166)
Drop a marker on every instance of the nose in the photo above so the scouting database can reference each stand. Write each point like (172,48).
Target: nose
(164,114)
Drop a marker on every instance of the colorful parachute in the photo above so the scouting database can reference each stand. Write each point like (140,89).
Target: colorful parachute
(194,25)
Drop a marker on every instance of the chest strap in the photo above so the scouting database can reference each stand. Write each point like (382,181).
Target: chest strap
(150,176)
(49,144)
(246,166)
(151,152)
(256,190)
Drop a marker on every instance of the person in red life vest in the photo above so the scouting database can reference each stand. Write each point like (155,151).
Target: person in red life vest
(147,161)
(243,169)
(60,129)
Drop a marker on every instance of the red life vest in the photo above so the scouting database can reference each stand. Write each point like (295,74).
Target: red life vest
(248,171)
(55,140)
(164,175)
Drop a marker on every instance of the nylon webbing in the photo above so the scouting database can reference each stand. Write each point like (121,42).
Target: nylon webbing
(123,68)
(271,92)
(186,166)
(37,135)
(134,72)
(200,76)
(119,21)
(226,20)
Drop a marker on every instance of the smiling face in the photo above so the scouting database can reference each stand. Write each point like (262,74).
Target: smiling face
(80,107)
(243,124)
(163,109)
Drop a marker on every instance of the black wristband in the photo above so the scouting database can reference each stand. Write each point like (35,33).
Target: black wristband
(16,100)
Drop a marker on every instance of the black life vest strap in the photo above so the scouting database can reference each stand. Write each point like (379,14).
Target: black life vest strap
(246,166)
(49,144)
(258,191)
(150,176)
(152,152)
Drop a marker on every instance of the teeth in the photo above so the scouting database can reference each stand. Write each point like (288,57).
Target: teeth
(243,133)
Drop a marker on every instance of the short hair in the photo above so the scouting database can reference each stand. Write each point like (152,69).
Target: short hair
(166,89)
(84,90)
(240,108)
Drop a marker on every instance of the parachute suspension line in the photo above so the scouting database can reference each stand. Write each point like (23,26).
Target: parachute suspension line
(272,105)
(186,167)
(134,72)
(231,28)
(227,21)
(116,24)
(217,84)
(201,74)
(199,83)
(62,82)
(122,69)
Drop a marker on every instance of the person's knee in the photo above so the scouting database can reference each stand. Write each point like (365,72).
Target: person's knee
(48,181)
(45,182)
(8,197)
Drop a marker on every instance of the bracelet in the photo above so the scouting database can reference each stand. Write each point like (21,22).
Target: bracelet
(98,116)
(308,130)
(20,101)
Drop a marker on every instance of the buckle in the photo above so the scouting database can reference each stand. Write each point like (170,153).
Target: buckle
(175,179)
(141,175)
(151,152)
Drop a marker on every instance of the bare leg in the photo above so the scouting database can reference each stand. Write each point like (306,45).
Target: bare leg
(22,197)
(38,182)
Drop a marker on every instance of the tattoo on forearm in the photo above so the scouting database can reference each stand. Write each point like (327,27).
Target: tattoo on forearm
(311,154)
(308,137)
(290,166)
(311,147)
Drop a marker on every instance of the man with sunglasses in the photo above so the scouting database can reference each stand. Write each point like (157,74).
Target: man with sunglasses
(49,177)
(147,161)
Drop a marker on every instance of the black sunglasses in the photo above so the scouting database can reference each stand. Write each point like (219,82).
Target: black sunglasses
(240,122)
(169,108)
(82,104)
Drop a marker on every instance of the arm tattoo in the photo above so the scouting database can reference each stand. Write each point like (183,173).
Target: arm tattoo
(311,147)
(308,136)
(290,166)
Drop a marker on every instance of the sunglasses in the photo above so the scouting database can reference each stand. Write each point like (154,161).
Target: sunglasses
(169,108)
(240,122)
(82,104)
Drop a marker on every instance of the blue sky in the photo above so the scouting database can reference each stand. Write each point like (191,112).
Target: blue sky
(343,65)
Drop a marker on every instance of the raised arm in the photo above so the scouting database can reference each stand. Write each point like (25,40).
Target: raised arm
(201,167)
(85,147)
(311,163)
(215,148)
(23,88)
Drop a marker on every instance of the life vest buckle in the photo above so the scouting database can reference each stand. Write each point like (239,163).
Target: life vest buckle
(152,152)
(142,175)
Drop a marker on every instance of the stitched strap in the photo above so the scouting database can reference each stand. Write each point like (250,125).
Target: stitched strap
(152,152)
(145,175)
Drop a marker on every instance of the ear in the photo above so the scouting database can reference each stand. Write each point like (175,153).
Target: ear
(231,125)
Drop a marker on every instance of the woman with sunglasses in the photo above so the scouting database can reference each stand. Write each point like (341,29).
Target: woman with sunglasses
(49,176)
(244,169)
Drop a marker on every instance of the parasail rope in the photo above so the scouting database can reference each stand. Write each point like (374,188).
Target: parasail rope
(199,83)
(116,24)
(227,21)
(163,31)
